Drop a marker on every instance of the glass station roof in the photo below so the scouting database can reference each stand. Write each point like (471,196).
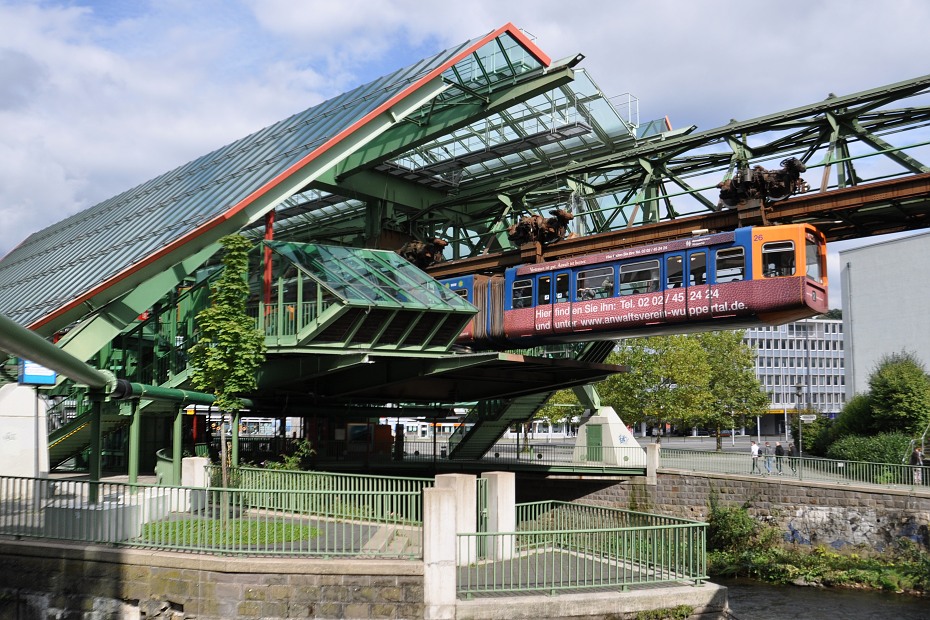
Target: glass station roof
(371,277)
(97,255)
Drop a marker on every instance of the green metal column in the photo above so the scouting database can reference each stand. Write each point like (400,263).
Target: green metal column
(95,440)
(135,436)
(177,437)
(234,432)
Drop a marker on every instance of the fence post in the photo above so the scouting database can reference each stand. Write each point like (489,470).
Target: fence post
(502,512)
(439,546)
(652,463)
(465,488)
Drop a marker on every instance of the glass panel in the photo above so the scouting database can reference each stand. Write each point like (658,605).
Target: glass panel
(673,272)
(697,268)
(812,258)
(561,288)
(523,294)
(778,259)
(594,283)
(638,278)
(543,293)
(731,265)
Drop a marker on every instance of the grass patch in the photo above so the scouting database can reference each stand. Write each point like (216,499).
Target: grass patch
(225,532)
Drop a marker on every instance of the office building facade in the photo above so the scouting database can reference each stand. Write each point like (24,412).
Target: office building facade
(799,364)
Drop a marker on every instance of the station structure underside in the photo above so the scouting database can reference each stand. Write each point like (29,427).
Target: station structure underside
(458,146)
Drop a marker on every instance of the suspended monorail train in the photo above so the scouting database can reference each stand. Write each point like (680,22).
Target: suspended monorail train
(728,280)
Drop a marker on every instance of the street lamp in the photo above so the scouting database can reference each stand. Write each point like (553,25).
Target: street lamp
(798,390)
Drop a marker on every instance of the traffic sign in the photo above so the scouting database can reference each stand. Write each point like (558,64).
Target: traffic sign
(808,417)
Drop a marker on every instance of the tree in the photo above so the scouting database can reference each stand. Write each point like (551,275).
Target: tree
(900,394)
(735,391)
(561,407)
(229,348)
(628,392)
(666,382)
(681,394)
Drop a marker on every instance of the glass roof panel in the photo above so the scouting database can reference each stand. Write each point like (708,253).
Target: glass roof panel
(371,277)
(85,255)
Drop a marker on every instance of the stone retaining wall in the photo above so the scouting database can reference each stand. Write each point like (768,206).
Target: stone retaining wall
(807,512)
(56,581)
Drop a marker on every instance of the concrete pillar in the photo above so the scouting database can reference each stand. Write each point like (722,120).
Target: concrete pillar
(502,513)
(465,487)
(439,552)
(194,474)
(652,463)
(23,432)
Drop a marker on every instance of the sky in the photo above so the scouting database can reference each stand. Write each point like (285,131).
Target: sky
(97,96)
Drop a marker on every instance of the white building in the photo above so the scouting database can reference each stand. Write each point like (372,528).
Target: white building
(886,296)
(806,357)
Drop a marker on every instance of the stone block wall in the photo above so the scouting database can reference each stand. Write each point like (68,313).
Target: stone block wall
(45,581)
(806,512)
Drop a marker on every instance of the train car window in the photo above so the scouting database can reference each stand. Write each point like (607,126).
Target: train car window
(522,293)
(673,271)
(639,277)
(544,293)
(561,287)
(697,268)
(594,283)
(731,265)
(812,259)
(778,259)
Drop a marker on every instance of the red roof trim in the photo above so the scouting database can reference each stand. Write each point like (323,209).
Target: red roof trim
(508,28)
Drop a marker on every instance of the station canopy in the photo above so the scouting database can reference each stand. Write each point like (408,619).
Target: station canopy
(412,155)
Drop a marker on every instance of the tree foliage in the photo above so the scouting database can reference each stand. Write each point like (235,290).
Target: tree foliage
(735,391)
(689,380)
(900,394)
(229,349)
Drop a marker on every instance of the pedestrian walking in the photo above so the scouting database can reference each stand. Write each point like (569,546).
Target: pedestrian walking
(792,458)
(917,461)
(769,457)
(754,455)
(779,455)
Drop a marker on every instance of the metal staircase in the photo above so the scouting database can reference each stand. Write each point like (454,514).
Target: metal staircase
(489,420)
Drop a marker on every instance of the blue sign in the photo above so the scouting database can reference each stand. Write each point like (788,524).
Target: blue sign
(31,373)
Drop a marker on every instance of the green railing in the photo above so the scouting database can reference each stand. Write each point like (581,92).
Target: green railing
(534,453)
(337,496)
(329,520)
(560,546)
(808,469)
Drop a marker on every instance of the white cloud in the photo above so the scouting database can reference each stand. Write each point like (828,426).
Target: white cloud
(96,97)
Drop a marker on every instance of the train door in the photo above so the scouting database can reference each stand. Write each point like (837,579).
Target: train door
(676,304)
(698,290)
(562,308)
(544,305)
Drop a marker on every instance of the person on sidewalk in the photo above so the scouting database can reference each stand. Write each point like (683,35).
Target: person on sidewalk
(779,456)
(754,455)
(769,457)
(792,458)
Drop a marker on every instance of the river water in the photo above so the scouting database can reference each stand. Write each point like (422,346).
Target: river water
(751,600)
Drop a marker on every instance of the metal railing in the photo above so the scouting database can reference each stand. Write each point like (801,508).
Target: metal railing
(350,496)
(561,546)
(321,516)
(889,475)
(542,454)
